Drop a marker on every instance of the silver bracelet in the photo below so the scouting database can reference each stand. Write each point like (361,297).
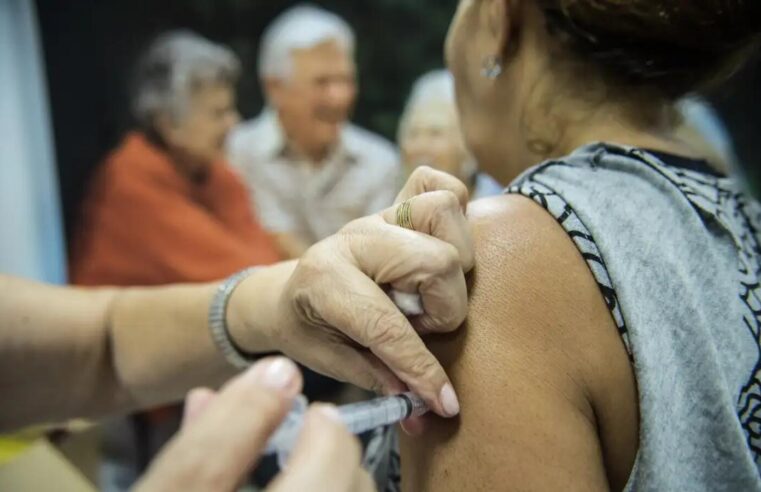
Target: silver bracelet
(218,320)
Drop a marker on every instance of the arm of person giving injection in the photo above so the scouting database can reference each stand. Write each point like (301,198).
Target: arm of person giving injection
(68,352)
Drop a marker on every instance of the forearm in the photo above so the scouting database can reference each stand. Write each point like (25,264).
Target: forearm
(68,352)
(160,343)
(181,353)
(54,352)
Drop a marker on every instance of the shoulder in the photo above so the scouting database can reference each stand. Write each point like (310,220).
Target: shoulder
(524,257)
(136,169)
(532,366)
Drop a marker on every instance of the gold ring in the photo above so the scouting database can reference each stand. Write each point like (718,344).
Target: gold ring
(404,215)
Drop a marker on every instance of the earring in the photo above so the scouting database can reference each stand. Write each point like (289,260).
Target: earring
(492,67)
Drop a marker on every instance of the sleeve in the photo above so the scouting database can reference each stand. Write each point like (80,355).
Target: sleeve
(163,228)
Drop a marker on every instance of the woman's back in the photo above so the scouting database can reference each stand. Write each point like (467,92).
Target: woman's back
(674,254)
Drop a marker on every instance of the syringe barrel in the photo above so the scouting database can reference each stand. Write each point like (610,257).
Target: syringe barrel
(358,417)
(367,415)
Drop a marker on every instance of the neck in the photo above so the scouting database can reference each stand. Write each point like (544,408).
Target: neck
(190,168)
(605,124)
(314,154)
(547,113)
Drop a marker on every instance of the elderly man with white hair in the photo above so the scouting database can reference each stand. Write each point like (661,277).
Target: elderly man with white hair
(309,169)
(429,134)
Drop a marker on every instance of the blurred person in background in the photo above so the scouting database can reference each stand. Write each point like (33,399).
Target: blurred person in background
(165,207)
(309,169)
(430,134)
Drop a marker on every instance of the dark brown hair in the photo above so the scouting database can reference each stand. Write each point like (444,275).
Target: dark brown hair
(673,46)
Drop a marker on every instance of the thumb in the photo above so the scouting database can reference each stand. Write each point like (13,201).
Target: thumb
(227,438)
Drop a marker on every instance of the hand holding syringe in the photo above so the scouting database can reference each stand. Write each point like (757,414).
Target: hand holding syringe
(358,418)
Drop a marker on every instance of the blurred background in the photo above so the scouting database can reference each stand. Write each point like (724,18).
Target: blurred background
(91,47)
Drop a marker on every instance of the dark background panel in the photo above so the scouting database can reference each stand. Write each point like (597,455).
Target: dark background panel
(739,103)
(91,47)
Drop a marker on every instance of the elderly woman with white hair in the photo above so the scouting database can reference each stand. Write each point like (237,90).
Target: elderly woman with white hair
(429,134)
(164,207)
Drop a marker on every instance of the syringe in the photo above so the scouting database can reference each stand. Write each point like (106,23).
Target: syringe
(358,417)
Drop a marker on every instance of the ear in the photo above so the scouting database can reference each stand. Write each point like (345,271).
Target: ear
(501,19)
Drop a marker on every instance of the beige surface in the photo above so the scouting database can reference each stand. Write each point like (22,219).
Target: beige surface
(42,468)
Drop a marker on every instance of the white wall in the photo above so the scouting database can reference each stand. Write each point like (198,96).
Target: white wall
(31,237)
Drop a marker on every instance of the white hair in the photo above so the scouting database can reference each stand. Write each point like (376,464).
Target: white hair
(176,64)
(433,88)
(301,27)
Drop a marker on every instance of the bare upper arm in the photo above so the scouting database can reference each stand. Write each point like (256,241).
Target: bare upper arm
(547,392)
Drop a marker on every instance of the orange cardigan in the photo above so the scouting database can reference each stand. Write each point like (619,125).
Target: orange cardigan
(143,223)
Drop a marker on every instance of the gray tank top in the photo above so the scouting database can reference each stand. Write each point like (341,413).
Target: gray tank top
(675,250)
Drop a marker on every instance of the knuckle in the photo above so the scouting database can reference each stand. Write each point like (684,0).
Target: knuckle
(302,303)
(373,383)
(423,367)
(355,226)
(446,259)
(366,379)
(385,329)
(313,260)
(447,201)
(441,322)
(451,320)
(421,173)
(460,190)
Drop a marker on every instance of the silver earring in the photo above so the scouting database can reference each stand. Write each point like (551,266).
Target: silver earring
(492,67)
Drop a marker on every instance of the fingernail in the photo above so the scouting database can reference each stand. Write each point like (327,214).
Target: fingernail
(277,374)
(449,401)
(330,412)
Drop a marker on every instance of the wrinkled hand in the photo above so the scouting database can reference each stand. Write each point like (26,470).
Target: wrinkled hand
(224,434)
(338,317)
